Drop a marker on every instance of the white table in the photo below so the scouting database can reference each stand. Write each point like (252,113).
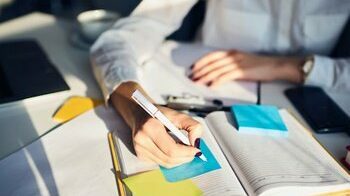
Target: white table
(23,122)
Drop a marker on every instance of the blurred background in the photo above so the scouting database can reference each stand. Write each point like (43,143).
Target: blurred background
(62,8)
(70,9)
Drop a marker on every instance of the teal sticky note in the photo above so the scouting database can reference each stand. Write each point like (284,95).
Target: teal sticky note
(194,168)
(259,119)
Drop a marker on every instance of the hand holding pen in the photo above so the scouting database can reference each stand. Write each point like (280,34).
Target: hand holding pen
(172,153)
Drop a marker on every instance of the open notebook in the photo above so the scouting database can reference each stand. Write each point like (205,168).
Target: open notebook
(166,74)
(254,164)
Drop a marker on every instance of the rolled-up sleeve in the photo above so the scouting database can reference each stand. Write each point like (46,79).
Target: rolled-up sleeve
(330,73)
(118,53)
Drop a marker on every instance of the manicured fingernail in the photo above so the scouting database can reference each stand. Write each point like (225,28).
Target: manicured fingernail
(190,76)
(209,83)
(192,66)
(197,143)
(198,154)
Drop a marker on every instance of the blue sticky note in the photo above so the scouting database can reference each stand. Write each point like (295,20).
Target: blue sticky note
(194,168)
(260,119)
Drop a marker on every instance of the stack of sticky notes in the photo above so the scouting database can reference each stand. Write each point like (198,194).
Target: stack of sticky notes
(259,119)
(73,107)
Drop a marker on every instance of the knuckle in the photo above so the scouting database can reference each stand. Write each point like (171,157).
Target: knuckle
(151,127)
(139,138)
(149,124)
(199,129)
(196,125)
(138,151)
(181,116)
(168,160)
(211,75)
(171,153)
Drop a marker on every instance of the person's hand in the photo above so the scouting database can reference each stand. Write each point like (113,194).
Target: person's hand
(222,66)
(150,138)
(153,143)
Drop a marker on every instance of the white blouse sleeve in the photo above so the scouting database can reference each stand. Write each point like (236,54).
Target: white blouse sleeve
(330,73)
(118,52)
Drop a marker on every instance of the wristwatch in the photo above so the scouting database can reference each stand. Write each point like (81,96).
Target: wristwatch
(307,67)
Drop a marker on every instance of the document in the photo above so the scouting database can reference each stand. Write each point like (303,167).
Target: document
(294,164)
(255,164)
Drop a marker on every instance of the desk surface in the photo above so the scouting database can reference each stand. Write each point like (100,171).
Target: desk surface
(25,121)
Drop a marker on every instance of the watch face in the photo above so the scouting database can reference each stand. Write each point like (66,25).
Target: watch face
(308,66)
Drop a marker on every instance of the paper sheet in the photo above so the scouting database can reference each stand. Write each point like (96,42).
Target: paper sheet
(194,168)
(153,183)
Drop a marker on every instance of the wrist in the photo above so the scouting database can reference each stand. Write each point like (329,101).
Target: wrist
(131,112)
(291,69)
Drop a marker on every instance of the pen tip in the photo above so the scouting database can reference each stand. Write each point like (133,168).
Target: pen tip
(203,158)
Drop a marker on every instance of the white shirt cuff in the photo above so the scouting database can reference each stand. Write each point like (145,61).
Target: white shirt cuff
(322,73)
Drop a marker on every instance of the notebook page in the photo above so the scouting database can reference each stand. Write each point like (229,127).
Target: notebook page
(218,182)
(167,74)
(265,162)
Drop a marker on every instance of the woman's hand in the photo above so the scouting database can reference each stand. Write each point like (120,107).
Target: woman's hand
(153,143)
(220,67)
(150,138)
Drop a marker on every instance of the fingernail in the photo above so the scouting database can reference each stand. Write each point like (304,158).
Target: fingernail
(190,76)
(197,143)
(198,154)
(209,83)
(192,66)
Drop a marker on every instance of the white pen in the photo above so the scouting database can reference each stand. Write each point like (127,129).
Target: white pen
(156,113)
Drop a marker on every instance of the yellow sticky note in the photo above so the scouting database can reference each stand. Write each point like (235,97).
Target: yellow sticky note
(338,193)
(153,183)
(73,107)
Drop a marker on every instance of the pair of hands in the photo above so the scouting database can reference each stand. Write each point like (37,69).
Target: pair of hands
(150,138)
